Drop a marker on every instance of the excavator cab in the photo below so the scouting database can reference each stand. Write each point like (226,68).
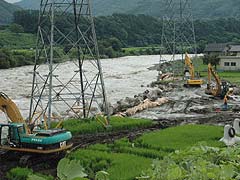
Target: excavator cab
(4,134)
(10,134)
(224,89)
(187,74)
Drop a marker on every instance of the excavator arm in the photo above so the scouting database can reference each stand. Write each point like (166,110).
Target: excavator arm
(11,110)
(189,64)
(215,91)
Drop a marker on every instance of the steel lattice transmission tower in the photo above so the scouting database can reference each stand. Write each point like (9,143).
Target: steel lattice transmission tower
(178,34)
(66,32)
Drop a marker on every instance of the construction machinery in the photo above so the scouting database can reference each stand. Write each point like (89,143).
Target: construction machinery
(16,135)
(220,89)
(189,74)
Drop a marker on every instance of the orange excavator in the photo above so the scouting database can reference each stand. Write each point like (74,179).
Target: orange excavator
(190,74)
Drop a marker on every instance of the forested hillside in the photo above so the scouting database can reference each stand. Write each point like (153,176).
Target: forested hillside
(201,9)
(117,34)
(143,30)
(6,11)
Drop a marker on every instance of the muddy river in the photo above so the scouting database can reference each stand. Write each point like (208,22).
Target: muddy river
(125,76)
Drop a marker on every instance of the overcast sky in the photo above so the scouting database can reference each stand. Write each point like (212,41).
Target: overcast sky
(12,1)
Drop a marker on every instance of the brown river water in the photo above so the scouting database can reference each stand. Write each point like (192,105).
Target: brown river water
(123,77)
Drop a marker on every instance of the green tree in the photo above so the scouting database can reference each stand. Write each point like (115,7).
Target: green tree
(16,28)
(110,52)
(213,59)
(28,19)
(6,59)
(116,44)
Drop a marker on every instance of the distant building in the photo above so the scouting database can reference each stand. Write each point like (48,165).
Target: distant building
(216,49)
(228,53)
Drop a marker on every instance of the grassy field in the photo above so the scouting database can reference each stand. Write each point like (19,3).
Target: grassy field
(231,76)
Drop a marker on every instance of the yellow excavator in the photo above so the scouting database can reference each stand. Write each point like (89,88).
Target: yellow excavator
(220,89)
(190,74)
(16,135)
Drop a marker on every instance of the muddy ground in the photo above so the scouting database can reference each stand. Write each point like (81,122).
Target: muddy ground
(192,105)
(185,105)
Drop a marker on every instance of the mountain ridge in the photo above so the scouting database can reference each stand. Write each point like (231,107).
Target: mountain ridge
(201,9)
(6,11)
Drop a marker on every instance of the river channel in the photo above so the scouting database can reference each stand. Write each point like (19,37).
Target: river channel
(123,77)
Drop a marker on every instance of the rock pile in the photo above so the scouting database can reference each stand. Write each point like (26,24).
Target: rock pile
(147,99)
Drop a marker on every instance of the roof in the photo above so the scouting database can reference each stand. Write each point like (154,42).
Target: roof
(216,47)
(234,48)
(49,132)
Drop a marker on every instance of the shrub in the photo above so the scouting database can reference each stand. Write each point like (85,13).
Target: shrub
(199,162)
(70,169)
(16,28)
(25,173)
(19,173)
(6,59)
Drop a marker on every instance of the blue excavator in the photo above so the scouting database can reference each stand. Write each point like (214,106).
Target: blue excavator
(16,135)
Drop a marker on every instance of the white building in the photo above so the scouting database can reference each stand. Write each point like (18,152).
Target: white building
(229,55)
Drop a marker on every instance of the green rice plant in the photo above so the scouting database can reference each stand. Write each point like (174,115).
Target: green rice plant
(180,137)
(143,152)
(129,149)
(120,166)
(91,126)
(101,147)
